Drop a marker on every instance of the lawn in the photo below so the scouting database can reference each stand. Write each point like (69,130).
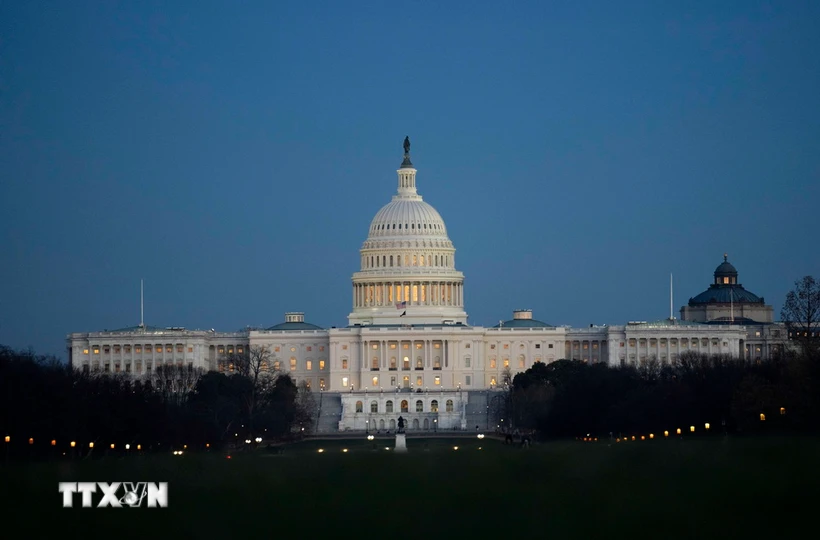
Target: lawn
(680,488)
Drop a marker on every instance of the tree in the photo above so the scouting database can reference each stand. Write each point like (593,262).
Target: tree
(801,313)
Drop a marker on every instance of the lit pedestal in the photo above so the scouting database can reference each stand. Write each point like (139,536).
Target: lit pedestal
(401,443)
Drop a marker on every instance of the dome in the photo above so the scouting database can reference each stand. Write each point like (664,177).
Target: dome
(407,217)
(717,294)
(294,320)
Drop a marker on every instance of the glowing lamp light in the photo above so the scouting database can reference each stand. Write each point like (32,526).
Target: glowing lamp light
(665,433)
(782,410)
(651,435)
(185,446)
(387,448)
(207,445)
(259,439)
(91,445)
(706,425)
(227,457)
(30,440)
(112,446)
(596,439)
(762,417)
(370,437)
(643,438)
(617,440)
(633,437)
(480,435)
(128,447)
(8,439)
(53,442)
(678,431)
(344,450)
(73,444)
(692,429)
(139,447)
(321,450)
(455,448)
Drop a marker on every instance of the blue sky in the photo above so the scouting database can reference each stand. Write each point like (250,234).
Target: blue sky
(233,155)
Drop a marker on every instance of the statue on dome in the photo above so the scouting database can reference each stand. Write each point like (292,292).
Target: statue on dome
(406,145)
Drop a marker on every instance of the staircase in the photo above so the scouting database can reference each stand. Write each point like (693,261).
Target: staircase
(328,413)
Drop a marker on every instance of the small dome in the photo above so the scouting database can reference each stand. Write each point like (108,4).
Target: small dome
(725,269)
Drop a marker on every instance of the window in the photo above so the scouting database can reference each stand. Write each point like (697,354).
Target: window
(506,362)
(344,364)
(392,345)
(406,362)
(321,384)
(405,346)
(220,350)
(128,349)
(466,345)
(307,384)
(263,365)
(276,349)
(375,381)
(467,362)
(293,349)
(85,351)
(85,368)
(170,349)
(419,363)
(418,345)
(404,405)
(107,368)
(550,346)
(492,363)
(190,349)
(309,365)
(345,382)
(359,406)
(309,348)
(521,361)
(106,350)
(344,347)
(292,363)
(321,364)
(448,406)
(96,350)
(434,406)
(388,407)
(506,345)
(374,363)
(375,346)
(392,362)
(437,380)
(419,381)
(537,345)
(321,347)
(492,347)
(180,348)
(392,381)
(239,350)
(276,365)
(493,381)
(468,380)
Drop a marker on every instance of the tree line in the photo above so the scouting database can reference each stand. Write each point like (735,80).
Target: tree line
(45,400)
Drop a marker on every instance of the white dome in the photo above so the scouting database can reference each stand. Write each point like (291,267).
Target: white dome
(407,217)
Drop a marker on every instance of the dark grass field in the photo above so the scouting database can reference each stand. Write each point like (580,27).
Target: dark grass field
(680,488)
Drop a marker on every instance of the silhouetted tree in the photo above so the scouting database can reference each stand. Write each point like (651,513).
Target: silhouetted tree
(801,313)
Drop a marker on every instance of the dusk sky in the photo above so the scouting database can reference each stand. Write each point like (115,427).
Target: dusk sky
(232,155)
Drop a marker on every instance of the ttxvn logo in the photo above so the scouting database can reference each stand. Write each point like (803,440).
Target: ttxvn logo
(116,494)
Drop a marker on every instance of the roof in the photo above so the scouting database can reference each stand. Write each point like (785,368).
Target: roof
(139,328)
(524,323)
(666,322)
(725,268)
(294,326)
(424,325)
(740,321)
(725,294)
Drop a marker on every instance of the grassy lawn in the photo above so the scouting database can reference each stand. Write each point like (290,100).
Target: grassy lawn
(680,488)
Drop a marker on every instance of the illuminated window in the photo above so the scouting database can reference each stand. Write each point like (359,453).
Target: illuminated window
(437,380)
(307,384)
(220,350)
(309,348)
(419,381)
(321,347)
(388,407)
(492,381)
(392,362)
(404,405)
(293,349)
(374,362)
(344,347)
(586,346)
(321,364)
(276,349)
(419,363)
(85,351)
(506,362)
(374,407)
(419,406)
(169,348)
(321,384)
(359,406)
(344,364)
(506,345)
(392,345)
(345,382)
(309,365)
(137,349)
(437,362)
(263,365)
(492,363)
(190,349)
(406,362)
(448,406)
(375,381)
(405,346)
(96,350)
(521,361)
(292,363)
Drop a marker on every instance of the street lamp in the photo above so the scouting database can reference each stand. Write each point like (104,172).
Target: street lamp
(435,425)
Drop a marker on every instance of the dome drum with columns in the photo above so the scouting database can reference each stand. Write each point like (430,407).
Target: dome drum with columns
(408,273)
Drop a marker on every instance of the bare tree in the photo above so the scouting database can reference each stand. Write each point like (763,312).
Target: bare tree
(801,313)
(175,382)
(305,408)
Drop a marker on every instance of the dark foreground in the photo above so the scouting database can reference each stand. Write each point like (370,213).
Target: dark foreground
(679,488)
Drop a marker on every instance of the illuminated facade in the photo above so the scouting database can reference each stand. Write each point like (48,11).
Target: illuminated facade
(408,350)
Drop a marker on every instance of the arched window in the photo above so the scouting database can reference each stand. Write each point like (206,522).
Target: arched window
(419,406)
(406,362)
(381,424)
(421,260)
(437,362)
(388,407)
(434,406)
(359,406)
(449,405)
(391,260)
(404,405)
(374,407)
(419,362)
(375,362)
(276,365)
(392,362)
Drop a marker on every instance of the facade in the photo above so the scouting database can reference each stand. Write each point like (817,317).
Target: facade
(408,350)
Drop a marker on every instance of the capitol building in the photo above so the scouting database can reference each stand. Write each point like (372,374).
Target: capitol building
(408,350)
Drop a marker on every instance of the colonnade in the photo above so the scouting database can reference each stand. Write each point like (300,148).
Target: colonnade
(415,293)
